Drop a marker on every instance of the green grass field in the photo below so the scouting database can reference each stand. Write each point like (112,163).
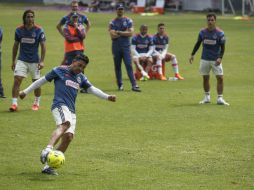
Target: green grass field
(159,139)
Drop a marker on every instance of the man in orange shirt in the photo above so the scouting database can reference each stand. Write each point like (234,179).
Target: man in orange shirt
(74,34)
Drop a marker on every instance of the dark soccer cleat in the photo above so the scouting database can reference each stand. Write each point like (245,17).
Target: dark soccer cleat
(120,88)
(136,89)
(48,170)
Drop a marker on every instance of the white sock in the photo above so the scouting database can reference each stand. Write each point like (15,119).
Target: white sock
(143,73)
(159,64)
(220,96)
(49,147)
(207,95)
(37,100)
(175,65)
(15,101)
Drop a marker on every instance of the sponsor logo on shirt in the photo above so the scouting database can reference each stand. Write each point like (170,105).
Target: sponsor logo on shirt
(142,46)
(27,40)
(72,84)
(160,46)
(210,42)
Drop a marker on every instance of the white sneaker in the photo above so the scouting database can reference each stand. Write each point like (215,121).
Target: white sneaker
(206,100)
(44,154)
(221,101)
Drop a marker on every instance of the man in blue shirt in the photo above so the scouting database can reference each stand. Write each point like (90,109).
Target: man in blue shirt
(82,19)
(121,29)
(161,54)
(213,41)
(1,86)
(67,81)
(142,48)
(28,37)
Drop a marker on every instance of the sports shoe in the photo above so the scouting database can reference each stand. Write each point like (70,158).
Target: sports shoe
(120,88)
(44,154)
(2,96)
(136,89)
(161,77)
(206,100)
(84,91)
(178,76)
(48,170)
(221,101)
(35,107)
(13,108)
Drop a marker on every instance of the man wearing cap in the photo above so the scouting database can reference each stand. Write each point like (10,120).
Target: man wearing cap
(82,18)
(74,34)
(120,30)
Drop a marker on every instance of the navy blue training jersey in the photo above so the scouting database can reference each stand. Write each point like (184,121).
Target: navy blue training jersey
(121,24)
(142,43)
(67,85)
(29,43)
(160,42)
(212,41)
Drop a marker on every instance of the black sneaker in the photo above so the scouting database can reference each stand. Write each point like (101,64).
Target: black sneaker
(83,91)
(120,88)
(2,96)
(48,170)
(136,89)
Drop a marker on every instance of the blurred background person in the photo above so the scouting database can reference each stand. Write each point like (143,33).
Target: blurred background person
(1,85)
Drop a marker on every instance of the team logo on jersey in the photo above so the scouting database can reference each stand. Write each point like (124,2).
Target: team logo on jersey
(160,46)
(79,80)
(124,23)
(42,36)
(27,40)
(33,34)
(164,41)
(72,84)
(214,36)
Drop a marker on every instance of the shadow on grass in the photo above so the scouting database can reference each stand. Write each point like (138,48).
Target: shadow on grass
(38,176)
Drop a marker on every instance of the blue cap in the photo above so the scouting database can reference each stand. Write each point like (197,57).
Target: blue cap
(119,6)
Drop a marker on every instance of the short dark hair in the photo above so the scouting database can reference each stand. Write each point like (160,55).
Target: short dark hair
(82,57)
(211,14)
(143,26)
(160,24)
(25,13)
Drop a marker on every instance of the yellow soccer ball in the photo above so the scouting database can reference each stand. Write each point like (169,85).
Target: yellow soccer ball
(55,159)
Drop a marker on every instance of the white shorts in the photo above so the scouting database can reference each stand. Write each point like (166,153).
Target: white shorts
(158,54)
(141,55)
(206,66)
(23,68)
(63,114)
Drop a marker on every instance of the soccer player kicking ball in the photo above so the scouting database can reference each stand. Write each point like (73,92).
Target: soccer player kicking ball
(67,80)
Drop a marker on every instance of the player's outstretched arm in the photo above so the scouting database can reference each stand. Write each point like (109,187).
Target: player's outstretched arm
(36,84)
(97,92)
